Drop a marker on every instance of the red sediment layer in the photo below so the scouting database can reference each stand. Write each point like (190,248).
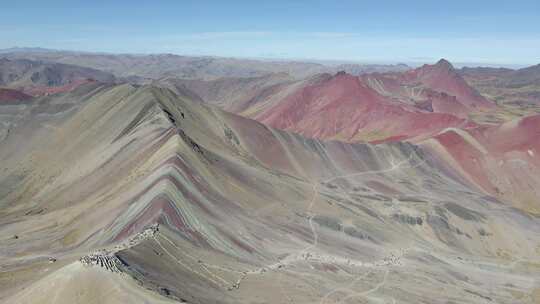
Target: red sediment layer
(45,90)
(10,96)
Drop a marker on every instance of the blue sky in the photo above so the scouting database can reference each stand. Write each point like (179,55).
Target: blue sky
(497,32)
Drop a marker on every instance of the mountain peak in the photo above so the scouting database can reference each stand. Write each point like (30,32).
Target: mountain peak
(342,75)
(444,63)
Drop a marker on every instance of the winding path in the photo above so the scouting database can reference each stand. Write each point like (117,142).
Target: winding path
(303,254)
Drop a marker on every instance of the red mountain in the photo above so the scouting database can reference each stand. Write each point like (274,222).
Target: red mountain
(442,77)
(435,88)
(502,160)
(343,107)
(12,96)
(373,107)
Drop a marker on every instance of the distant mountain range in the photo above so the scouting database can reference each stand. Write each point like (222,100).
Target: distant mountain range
(516,90)
(507,78)
(38,77)
(169,65)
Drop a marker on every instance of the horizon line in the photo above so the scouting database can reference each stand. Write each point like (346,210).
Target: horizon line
(413,62)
